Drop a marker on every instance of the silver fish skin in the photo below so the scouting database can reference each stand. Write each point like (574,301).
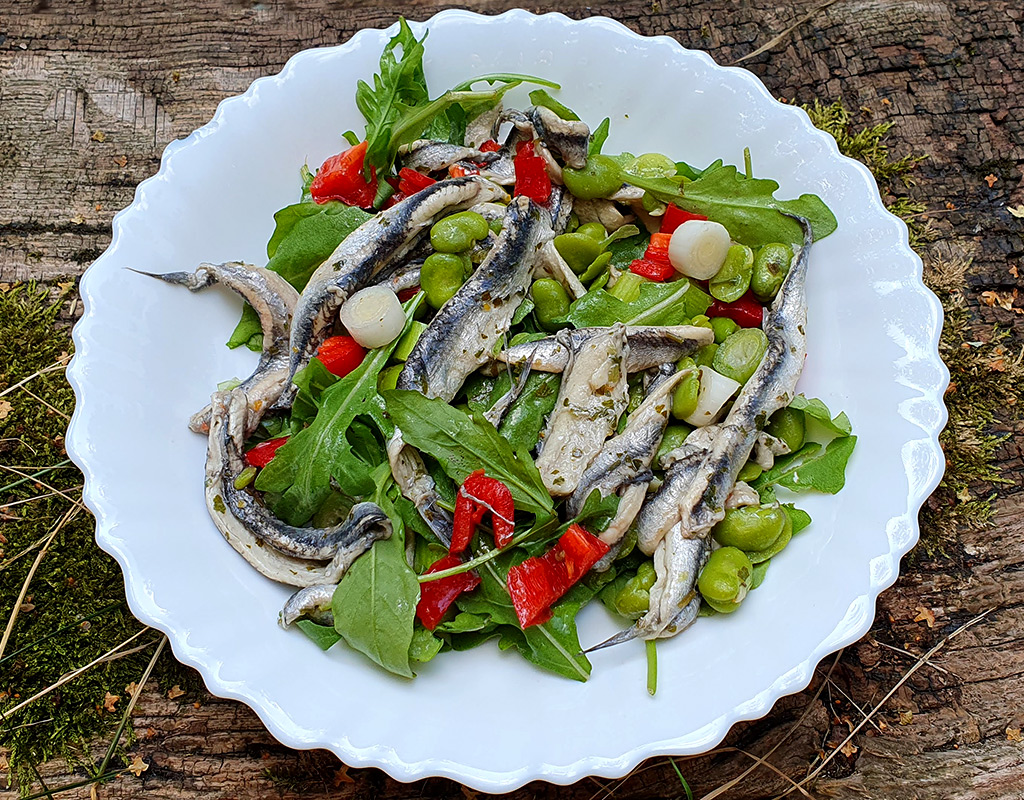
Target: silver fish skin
(416,485)
(274,300)
(223,463)
(649,346)
(592,396)
(550,264)
(464,332)
(312,602)
(369,249)
(560,206)
(569,138)
(603,211)
(428,155)
(702,503)
(627,456)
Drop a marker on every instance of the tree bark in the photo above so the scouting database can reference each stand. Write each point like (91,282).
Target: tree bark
(91,93)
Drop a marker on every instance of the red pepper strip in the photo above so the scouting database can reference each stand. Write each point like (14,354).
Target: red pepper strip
(540,581)
(745,312)
(408,294)
(411,181)
(652,270)
(478,495)
(490,146)
(263,453)
(458,171)
(675,216)
(657,249)
(394,200)
(341,178)
(437,596)
(341,355)
(532,179)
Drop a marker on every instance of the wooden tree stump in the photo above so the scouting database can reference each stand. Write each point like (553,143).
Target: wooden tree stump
(91,93)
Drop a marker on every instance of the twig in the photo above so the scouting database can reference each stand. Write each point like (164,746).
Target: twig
(70,515)
(772,42)
(908,654)
(55,367)
(72,675)
(920,663)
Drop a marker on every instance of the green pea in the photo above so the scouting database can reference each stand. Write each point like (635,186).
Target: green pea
(749,472)
(458,232)
(674,436)
(550,302)
(441,276)
(578,249)
(595,230)
(750,528)
(705,356)
(701,321)
(597,268)
(408,341)
(738,356)
(770,267)
(599,177)
(788,424)
(733,279)
(776,547)
(652,165)
(725,579)
(634,598)
(684,398)
(388,378)
(723,328)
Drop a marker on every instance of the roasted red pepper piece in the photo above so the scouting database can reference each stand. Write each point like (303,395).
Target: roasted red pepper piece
(490,146)
(652,270)
(437,596)
(477,496)
(341,355)
(341,178)
(410,181)
(532,179)
(263,453)
(746,312)
(540,581)
(675,216)
(459,171)
(408,294)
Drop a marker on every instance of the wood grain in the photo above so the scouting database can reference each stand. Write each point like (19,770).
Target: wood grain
(90,93)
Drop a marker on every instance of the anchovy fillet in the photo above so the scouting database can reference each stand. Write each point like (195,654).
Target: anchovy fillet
(428,155)
(369,249)
(569,138)
(466,329)
(312,602)
(274,300)
(592,396)
(649,346)
(223,464)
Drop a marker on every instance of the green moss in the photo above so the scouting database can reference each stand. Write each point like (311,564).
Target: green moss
(76,598)
(983,376)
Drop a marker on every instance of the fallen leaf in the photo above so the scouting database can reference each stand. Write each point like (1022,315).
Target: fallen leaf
(131,688)
(1017,211)
(999,365)
(175,76)
(122,161)
(1014,735)
(197,705)
(110,702)
(99,136)
(26,608)
(150,733)
(964,495)
(78,219)
(341,776)
(175,692)
(950,206)
(906,717)
(1002,299)
(5,409)
(99,206)
(886,101)
(848,749)
(138,766)
(990,180)
(1013,271)
(925,615)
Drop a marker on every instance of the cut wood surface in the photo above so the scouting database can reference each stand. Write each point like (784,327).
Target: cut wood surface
(91,93)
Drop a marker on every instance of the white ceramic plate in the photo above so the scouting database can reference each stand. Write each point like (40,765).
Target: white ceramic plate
(147,355)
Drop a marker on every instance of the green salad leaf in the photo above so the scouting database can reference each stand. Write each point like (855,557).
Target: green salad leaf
(323,636)
(813,466)
(541,98)
(463,444)
(525,417)
(375,604)
(818,411)
(672,303)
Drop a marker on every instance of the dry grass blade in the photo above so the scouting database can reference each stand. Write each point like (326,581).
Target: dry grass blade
(48,405)
(33,476)
(72,675)
(55,367)
(852,702)
(776,40)
(792,728)
(5,564)
(24,500)
(910,655)
(67,497)
(70,515)
(920,663)
(760,761)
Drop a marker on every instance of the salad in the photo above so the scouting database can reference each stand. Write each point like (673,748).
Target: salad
(504,374)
